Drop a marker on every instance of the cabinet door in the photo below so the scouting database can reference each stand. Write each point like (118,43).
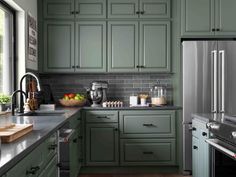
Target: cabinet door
(51,170)
(154,46)
(102,144)
(225,14)
(58,46)
(123,9)
(90,8)
(74,155)
(61,9)
(122,46)
(195,158)
(154,8)
(90,46)
(197,17)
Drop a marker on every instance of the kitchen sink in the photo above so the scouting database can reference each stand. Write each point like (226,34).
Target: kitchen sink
(54,113)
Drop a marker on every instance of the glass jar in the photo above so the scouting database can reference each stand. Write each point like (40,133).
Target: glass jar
(158,95)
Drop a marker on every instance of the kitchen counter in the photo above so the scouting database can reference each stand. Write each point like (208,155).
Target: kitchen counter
(43,127)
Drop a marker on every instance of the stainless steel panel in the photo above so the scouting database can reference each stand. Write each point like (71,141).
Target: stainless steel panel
(187,147)
(229,48)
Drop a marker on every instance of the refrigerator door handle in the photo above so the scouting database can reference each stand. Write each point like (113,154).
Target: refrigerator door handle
(214,81)
(222,81)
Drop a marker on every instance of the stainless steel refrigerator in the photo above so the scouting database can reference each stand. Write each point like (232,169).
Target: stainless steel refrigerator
(209,84)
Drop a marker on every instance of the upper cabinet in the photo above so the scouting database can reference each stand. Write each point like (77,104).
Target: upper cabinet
(70,9)
(208,17)
(138,8)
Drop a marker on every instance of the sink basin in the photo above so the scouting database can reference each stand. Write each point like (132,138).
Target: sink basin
(43,114)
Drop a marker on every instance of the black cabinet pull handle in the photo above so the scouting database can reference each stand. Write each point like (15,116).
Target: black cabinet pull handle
(142,66)
(103,117)
(77,66)
(148,125)
(195,147)
(33,170)
(75,140)
(148,152)
(137,66)
(52,147)
(204,134)
(77,12)
(137,12)
(142,12)
(217,29)
(194,129)
(72,12)
(213,29)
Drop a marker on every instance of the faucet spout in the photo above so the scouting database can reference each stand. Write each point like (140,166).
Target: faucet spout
(12,100)
(21,81)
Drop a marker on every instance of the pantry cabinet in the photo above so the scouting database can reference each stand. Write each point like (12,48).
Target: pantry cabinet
(138,46)
(207,17)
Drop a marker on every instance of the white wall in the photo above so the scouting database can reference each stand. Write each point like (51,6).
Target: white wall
(23,7)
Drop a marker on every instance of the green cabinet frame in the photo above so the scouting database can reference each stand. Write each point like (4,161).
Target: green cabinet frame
(208,17)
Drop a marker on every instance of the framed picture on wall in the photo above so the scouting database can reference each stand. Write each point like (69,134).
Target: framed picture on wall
(32,39)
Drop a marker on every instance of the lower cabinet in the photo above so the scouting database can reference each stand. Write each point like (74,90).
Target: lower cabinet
(130,138)
(102,144)
(147,152)
(42,160)
(200,149)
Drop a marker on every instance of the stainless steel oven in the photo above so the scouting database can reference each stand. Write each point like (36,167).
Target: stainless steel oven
(222,147)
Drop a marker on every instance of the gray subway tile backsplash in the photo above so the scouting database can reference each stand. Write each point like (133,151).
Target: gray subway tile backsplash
(121,86)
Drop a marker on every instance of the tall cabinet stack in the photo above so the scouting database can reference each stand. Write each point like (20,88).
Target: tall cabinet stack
(105,36)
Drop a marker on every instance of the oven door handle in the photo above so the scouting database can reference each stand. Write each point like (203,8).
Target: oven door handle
(213,142)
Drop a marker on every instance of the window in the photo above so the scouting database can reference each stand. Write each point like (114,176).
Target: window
(6,49)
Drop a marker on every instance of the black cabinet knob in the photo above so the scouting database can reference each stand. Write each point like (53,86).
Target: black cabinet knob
(77,66)
(204,134)
(72,12)
(217,29)
(213,29)
(194,129)
(142,12)
(195,147)
(72,66)
(137,12)
(137,66)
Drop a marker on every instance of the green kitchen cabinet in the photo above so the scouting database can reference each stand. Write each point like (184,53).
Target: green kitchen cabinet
(200,151)
(139,9)
(58,46)
(139,46)
(147,124)
(147,152)
(122,46)
(59,9)
(90,47)
(207,17)
(102,144)
(90,9)
(36,161)
(51,170)
(70,9)
(155,44)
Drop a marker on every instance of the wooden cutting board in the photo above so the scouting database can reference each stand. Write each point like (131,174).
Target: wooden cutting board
(10,134)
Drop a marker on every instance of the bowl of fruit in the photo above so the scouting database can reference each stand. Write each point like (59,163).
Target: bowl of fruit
(73,99)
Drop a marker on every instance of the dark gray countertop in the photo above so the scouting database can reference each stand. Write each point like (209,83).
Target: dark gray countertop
(43,127)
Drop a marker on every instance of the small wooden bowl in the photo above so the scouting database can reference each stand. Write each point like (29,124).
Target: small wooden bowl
(71,103)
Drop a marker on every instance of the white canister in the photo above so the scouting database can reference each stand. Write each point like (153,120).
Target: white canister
(143,101)
(133,100)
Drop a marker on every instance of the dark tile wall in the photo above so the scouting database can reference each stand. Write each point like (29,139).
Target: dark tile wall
(121,86)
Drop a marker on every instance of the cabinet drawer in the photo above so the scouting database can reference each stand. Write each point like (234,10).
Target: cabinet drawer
(147,124)
(102,116)
(148,152)
(199,129)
